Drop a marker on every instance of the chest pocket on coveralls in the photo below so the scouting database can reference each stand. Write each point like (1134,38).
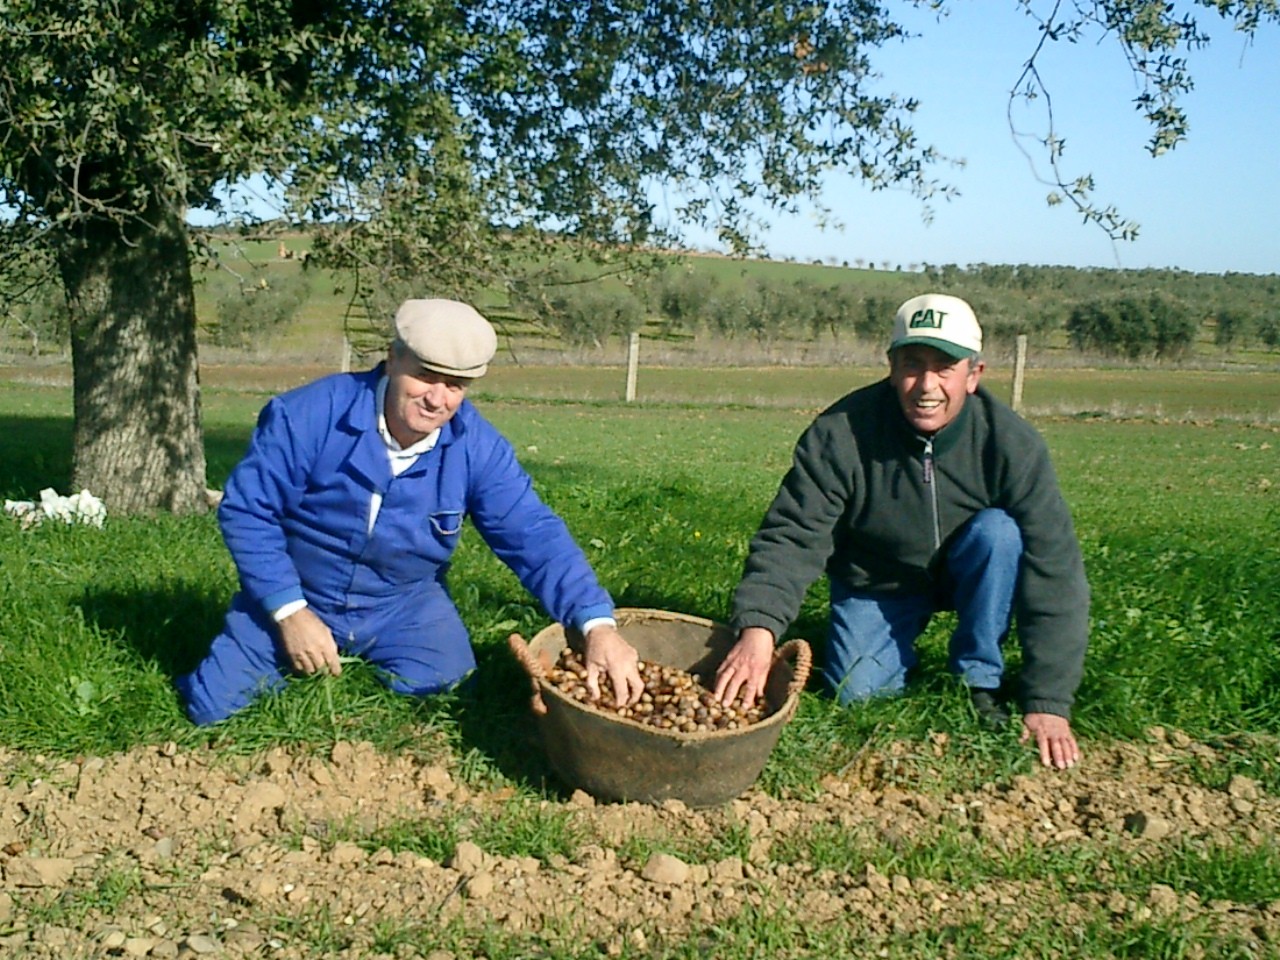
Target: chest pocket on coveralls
(447,523)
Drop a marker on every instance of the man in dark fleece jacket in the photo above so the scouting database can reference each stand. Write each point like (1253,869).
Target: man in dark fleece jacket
(919,493)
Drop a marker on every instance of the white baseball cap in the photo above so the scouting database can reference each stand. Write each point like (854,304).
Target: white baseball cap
(940,321)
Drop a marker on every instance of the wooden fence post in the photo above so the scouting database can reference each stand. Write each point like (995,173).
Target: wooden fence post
(1019,371)
(346,355)
(633,363)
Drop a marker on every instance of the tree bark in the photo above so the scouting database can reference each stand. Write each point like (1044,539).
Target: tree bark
(138,437)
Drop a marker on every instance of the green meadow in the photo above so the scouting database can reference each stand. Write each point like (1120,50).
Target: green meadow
(1173,489)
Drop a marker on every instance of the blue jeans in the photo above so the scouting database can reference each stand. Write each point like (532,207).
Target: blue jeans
(871,640)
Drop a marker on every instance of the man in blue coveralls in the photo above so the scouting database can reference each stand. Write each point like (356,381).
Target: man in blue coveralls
(343,516)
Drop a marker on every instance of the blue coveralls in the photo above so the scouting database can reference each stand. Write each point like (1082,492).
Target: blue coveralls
(295,514)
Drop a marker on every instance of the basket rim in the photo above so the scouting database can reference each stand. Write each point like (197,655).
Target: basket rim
(626,615)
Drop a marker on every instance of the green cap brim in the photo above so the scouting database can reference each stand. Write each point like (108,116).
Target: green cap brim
(953,350)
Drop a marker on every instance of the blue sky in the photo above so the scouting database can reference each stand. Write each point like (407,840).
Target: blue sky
(1210,205)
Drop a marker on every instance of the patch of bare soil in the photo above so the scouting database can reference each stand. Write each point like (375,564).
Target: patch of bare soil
(168,853)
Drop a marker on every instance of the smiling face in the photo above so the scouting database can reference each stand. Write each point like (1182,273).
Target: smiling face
(419,400)
(931,386)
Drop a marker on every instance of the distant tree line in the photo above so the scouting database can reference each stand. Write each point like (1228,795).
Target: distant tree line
(1133,315)
(1129,314)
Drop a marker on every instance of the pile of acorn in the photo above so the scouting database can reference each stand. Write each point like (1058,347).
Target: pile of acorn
(673,699)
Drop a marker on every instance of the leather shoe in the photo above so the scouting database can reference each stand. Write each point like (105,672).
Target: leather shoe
(991,712)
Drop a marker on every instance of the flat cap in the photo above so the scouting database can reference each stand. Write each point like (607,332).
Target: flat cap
(447,336)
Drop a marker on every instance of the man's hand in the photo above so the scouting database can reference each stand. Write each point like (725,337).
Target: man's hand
(308,644)
(606,652)
(1058,747)
(745,670)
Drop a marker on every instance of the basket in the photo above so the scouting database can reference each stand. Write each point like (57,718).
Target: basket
(616,758)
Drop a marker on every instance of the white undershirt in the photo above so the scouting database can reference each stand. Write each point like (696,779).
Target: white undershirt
(401,458)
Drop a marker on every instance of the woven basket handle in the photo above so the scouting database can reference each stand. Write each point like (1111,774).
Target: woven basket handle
(798,651)
(537,676)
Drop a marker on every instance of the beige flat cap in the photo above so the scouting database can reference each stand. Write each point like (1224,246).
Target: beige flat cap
(447,336)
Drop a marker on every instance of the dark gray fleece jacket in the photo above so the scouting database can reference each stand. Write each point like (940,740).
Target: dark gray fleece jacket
(873,503)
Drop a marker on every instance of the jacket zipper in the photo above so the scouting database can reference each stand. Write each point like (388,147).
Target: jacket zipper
(933,492)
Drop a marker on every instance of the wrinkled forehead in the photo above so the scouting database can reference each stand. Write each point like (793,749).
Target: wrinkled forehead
(404,362)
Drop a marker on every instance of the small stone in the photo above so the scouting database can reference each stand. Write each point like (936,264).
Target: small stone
(728,870)
(15,940)
(198,943)
(56,938)
(437,780)
(258,799)
(666,869)
(874,880)
(1148,826)
(39,871)
(244,942)
(114,939)
(1243,788)
(345,853)
(277,762)
(480,886)
(1163,899)
(467,858)
(138,946)
(1241,806)
(343,754)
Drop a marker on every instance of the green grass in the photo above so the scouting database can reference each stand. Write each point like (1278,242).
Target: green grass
(1172,517)
(520,828)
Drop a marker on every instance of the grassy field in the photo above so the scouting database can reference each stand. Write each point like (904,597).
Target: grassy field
(1173,482)
(1174,516)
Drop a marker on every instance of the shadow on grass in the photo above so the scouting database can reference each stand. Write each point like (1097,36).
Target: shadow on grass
(35,453)
(170,627)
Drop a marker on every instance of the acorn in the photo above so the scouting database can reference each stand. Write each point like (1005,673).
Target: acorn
(673,699)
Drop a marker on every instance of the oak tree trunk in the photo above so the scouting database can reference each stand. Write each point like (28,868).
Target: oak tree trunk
(138,438)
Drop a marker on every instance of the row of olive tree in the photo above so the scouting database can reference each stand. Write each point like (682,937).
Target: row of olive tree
(1142,314)
(1154,324)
